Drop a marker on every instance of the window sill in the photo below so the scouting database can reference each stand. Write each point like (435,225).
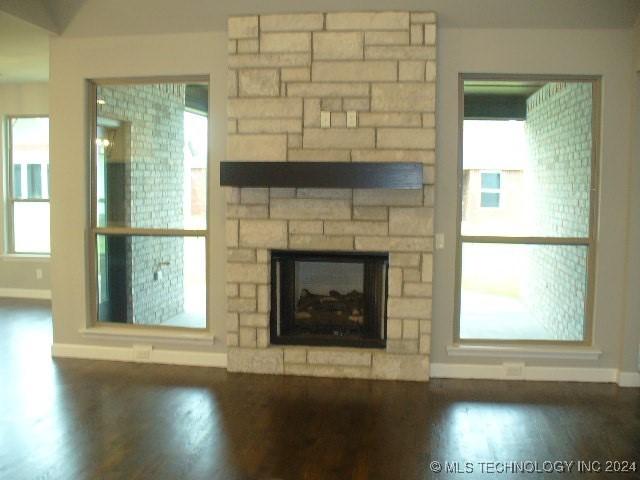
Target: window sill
(25,257)
(543,352)
(150,334)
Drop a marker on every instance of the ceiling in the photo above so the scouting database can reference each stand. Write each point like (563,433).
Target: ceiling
(24,42)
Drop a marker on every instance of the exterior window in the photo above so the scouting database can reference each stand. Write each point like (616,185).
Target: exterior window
(28,195)
(490,190)
(149,209)
(527,247)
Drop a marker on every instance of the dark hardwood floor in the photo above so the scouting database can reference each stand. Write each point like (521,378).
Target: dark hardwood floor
(76,419)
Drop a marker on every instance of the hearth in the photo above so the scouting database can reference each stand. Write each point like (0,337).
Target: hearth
(328,298)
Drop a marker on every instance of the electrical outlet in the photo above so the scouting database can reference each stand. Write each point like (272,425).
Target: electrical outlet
(325,119)
(142,353)
(38,274)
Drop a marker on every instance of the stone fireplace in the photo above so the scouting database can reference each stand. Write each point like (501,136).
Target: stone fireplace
(331,87)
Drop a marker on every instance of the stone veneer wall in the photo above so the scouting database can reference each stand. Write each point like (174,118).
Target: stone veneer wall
(153,193)
(559,137)
(283,71)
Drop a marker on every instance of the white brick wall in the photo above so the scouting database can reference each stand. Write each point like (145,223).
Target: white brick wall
(285,70)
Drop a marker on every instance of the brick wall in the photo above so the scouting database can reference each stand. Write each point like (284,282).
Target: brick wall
(153,193)
(559,135)
(284,71)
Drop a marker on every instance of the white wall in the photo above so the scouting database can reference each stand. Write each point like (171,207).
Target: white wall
(594,52)
(18,273)
(73,61)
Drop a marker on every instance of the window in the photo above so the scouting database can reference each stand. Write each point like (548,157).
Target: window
(28,192)
(527,247)
(149,208)
(490,189)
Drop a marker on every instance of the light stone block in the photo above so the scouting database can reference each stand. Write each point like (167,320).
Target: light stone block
(247,337)
(241,255)
(337,46)
(248,45)
(262,337)
(310,209)
(261,82)
(343,138)
(400,367)
(295,355)
(357,104)
(320,242)
(247,211)
(247,273)
(355,228)
(233,322)
(367,21)
(311,112)
(370,213)
(318,155)
(417,34)
(430,71)
(400,244)
(396,155)
(394,280)
(387,197)
(429,120)
(429,175)
(338,120)
(411,308)
(262,255)
(241,305)
(410,329)
(263,233)
(232,47)
(264,107)
(265,60)
(232,83)
(295,74)
(367,119)
(411,274)
(264,300)
(335,193)
(274,125)
(257,147)
(292,22)
(330,371)
(331,104)
(411,71)
(394,328)
(305,227)
(403,97)
(419,138)
(231,233)
(430,34)
(268,360)
(231,290)
(232,194)
(425,344)
(285,42)
(232,340)
(259,320)
(282,192)
(390,52)
(423,17)
(294,140)
(339,357)
(327,89)
(413,221)
(397,259)
(243,27)
(429,196)
(403,346)
(427,268)
(248,290)
(417,289)
(360,71)
(425,326)
(232,126)
(254,195)
(386,38)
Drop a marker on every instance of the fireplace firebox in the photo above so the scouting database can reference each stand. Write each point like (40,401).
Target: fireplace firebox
(328,298)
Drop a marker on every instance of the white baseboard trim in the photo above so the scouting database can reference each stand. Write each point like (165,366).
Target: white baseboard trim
(629,379)
(145,355)
(500,372)
(25,293)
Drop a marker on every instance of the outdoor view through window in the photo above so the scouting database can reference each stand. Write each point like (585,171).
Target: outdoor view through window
(525,210)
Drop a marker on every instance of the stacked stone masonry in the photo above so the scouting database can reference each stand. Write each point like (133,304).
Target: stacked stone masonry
(284,70)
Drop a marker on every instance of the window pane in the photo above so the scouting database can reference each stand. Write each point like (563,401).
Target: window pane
(152,280)
(543,162)
(523,292)
(489,200)
(31,227)
(30,156)
(152,155)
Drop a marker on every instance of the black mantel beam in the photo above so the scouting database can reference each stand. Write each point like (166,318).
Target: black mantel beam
(400,175)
